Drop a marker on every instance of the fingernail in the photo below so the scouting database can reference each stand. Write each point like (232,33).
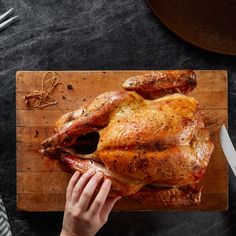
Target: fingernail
(99,174)
(108,181)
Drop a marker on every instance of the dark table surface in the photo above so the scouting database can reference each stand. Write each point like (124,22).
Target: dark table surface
(99,34)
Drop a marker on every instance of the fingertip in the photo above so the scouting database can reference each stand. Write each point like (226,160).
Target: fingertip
(91,170)
(107,185)
(107,182)
(76,175)
(99,174)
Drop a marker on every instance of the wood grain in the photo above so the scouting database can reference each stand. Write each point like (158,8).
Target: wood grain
(41,182)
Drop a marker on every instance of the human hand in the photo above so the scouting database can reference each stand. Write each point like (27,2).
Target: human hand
(85,213)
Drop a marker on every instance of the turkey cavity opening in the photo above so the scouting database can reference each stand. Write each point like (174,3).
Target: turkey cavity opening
(86,144)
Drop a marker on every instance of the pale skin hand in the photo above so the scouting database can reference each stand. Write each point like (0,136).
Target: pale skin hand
(82,216)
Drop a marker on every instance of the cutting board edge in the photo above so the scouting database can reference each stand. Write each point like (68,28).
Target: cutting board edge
(121,70)
(214,208)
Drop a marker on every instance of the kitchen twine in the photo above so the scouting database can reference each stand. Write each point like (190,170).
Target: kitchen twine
(5,229)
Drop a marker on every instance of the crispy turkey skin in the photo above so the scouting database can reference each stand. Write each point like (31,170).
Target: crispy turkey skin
(151,133)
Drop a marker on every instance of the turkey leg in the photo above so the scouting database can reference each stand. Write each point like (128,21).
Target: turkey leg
(156,84)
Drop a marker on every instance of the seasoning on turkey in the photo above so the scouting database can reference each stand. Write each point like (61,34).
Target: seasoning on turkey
(149,135)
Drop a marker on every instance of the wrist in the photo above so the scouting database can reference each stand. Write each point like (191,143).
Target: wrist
(64,233)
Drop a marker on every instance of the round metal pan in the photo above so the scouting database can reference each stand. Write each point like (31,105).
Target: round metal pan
(208,24)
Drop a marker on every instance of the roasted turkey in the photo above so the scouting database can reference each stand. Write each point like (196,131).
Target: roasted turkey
(149,134)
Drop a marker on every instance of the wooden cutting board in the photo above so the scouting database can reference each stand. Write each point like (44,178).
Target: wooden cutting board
(41,183)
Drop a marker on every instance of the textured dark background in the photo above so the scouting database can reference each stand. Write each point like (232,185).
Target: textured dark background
(99,34)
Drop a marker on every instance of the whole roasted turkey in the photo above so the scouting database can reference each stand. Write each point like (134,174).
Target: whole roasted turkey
(149,134)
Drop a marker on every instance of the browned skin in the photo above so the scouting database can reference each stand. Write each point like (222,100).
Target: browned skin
(160,142)
(152,85)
